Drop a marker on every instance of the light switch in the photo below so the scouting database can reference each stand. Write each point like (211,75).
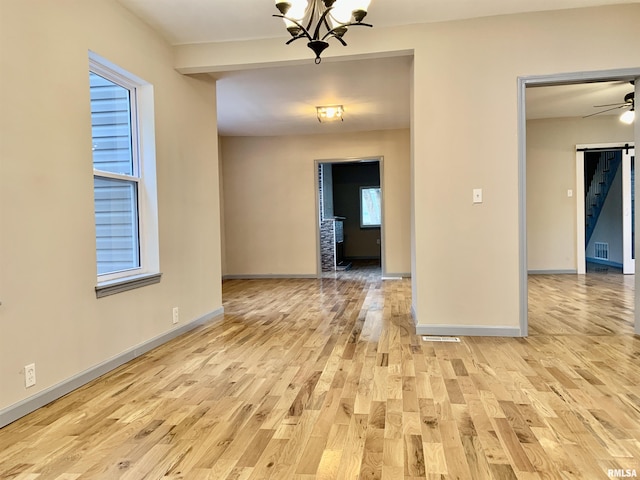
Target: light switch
(477,195)
(569,193)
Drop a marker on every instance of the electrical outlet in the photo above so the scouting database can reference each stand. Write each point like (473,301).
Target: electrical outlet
(29,375)
(176,315)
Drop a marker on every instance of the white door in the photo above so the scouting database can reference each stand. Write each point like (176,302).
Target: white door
(628,211)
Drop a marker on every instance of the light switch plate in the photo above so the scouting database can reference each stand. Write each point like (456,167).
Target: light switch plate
(477,195)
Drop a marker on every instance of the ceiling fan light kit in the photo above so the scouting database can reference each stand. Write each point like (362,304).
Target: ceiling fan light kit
(630,115)
(627,117)
(304,19)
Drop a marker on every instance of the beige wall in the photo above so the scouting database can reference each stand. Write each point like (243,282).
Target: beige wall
(551,171)
(465,136)
(49,313)
(466,110)
(269,188)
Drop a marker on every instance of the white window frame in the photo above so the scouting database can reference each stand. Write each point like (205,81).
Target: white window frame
(144,175)
(370,225)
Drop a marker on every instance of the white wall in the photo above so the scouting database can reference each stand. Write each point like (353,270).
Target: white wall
(270,199)
(49,314)
(551,171)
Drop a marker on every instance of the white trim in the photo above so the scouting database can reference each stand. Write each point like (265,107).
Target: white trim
(116,176)
(468,331)
(102,66)
(267,276)
(28,405)
(104,289)
(148,191)
(581,259)
(629,264)
(581,262)
(523,286)
(553,272)
(396,276)
(144,168)
(370,187)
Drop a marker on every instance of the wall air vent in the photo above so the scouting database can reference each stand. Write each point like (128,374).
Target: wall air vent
(601,251)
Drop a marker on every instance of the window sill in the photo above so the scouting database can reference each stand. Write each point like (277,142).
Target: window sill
(112,287)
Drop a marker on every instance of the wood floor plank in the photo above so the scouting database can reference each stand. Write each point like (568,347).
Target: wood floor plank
(326,379)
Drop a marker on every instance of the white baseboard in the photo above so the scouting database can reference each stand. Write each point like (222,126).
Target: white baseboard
(267,276)
(395,276)
(28,405)
(552,272)
(468,331)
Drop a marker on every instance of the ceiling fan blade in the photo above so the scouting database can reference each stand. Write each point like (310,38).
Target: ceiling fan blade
(610,105)
(607,110)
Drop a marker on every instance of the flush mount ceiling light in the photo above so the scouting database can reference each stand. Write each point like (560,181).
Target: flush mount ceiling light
(305,19)
(330,113)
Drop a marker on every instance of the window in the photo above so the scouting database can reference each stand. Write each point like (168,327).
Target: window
(370,211)
(123,175)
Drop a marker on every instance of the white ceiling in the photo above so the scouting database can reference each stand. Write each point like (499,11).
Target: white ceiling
(374,92)
(579,100)
(282,100)
(198,21)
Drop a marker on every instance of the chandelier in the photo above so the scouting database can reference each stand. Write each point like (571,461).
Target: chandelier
(309,20)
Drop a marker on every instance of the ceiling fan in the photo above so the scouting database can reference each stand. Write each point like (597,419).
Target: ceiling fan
(629,102)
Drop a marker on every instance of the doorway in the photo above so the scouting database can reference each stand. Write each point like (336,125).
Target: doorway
(551,80)
(350,213)
(605,178)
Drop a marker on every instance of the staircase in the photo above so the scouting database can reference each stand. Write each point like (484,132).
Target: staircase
(598,189)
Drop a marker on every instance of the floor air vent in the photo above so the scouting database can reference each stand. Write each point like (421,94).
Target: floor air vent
(429,338)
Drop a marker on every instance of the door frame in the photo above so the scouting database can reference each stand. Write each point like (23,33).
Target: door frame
(628,193)
(523,82)
(629,265)
(362,159)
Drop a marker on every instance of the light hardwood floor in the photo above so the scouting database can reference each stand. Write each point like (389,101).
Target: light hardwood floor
(326,379)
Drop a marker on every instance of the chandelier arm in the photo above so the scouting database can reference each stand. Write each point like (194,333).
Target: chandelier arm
(293,39)
(331,33)
(340,39)
(304,33)
(323,19)
(326,24)
(313,14)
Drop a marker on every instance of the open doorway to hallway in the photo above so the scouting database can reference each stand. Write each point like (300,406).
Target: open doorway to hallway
(350,223)
(558,299)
